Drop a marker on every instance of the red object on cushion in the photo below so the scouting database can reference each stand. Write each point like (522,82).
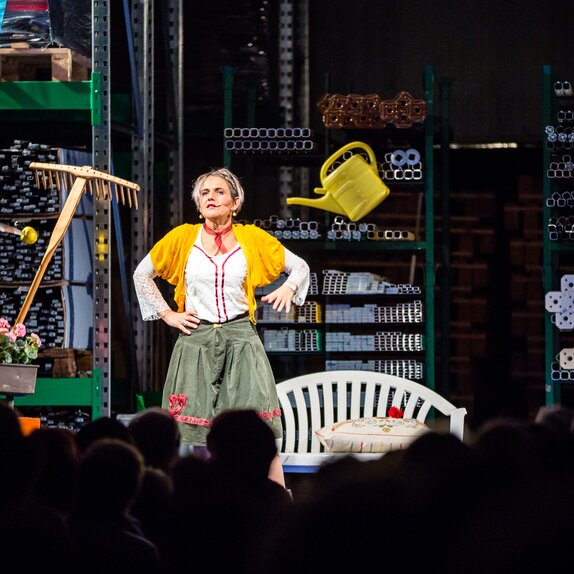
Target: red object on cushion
(396,413)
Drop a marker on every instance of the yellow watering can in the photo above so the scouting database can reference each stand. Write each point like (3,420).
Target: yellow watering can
(353,188)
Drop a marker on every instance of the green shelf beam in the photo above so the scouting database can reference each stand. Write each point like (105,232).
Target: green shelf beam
(45,95)
(51,96)
(80,391)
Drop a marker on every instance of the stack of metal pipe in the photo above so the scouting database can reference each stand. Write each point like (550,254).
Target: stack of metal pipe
(410,312)
(561,199)
(269,141)
(46,317)
(561,169)
(401,165)
(291,340)
(362,283)
(408,368)
(563,88)
(341,229)
(290,228)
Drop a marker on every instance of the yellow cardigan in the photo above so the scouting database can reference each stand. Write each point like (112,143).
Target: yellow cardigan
(265,259)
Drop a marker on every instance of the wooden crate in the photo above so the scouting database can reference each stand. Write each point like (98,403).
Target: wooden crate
(28,64)
(67,362)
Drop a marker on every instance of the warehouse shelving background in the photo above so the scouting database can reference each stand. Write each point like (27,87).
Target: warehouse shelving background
(275,59)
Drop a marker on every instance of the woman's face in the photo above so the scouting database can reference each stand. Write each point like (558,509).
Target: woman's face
(215,200)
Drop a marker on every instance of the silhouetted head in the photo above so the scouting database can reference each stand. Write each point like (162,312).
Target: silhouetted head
(53,454)
(10,430)
(241,442)
(103,427)
(11,452)
(556,418)
(156,433)
(109,477)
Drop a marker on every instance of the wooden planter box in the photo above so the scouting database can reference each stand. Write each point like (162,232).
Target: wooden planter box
(17,379)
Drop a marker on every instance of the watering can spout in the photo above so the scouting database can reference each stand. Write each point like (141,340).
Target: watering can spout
(326,203)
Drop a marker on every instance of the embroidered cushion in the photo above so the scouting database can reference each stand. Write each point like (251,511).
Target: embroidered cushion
(372,434)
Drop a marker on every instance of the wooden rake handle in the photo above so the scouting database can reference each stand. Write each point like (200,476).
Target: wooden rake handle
(83,176)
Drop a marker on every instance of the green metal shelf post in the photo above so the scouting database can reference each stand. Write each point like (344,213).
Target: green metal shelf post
(429,230)
(550,255)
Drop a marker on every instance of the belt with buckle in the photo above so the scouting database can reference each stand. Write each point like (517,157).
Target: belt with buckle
(220,324)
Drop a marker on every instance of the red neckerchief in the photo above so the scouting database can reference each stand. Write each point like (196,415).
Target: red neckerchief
(218,236)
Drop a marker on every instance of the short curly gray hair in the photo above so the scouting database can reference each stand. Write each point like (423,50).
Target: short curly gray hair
(235,187)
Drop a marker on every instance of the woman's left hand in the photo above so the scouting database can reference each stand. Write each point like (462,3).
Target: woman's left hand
(280,298)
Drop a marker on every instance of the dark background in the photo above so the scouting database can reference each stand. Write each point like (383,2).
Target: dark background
(489,53)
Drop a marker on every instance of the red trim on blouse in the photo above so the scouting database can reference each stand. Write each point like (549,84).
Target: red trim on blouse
(219,293)
(216,279)
(223,280)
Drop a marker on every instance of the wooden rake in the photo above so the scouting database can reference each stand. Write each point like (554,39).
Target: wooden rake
(98,183)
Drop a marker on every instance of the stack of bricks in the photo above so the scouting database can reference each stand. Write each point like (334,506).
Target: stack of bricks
(523,221)
(471,247)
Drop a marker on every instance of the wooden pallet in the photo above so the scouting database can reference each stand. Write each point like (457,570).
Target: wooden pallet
(59,64)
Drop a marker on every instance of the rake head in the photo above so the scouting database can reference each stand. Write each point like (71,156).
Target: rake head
(74,180)
(99,184)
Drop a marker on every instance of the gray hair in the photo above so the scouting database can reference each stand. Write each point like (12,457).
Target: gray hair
(232,180)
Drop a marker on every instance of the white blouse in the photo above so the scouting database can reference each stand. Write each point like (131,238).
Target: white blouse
(213,284)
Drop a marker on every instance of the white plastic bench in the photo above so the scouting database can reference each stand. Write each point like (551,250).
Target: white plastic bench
(313,401)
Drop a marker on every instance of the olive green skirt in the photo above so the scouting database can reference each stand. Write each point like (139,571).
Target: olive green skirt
(219,367)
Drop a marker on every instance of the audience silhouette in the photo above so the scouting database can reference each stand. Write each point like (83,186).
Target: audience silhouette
(156,434)
(109,477)
(120,499)
(234,505)
(33,535)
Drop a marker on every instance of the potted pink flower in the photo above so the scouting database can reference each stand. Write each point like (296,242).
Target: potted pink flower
(17,351)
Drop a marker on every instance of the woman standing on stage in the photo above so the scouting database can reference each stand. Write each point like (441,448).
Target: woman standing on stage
(219,361)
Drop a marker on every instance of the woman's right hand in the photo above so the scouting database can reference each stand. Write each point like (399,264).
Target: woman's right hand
(182,321)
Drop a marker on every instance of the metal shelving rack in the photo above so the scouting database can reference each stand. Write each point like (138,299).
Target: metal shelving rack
(143,148)
(90,101)
(101,160)
(558,256)
(421,248)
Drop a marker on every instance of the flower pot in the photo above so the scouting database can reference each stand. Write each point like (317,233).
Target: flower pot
(17,379)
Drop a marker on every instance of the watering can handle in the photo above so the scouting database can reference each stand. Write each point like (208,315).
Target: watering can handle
(341,151)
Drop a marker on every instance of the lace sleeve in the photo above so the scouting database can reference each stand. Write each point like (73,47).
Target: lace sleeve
(299,276)
(150,299)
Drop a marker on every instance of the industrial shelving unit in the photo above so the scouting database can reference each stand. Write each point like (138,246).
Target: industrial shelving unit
(84,101)
(558,255)
(324,251)
(90,102)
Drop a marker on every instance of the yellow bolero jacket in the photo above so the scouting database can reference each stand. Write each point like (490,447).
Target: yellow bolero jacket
(264,253)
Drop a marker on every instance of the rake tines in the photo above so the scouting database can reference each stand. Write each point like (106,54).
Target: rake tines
(62,177)
(99,183)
